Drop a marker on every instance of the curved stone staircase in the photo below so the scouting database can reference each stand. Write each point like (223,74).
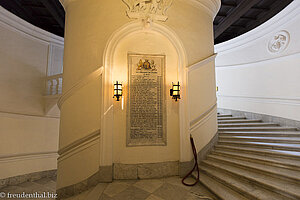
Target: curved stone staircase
(253,160)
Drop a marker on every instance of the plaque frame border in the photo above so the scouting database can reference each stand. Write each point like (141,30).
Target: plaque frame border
(164,107)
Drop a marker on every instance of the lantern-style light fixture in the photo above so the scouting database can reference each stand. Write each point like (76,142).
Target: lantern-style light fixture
(175,91)
(118,90)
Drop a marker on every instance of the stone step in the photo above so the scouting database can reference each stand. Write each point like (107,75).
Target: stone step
(281,173)
(289,140)
(264,145)
(241,186)
(220,190)
(248,125)
(230,118)
(239,121)
(262,159)
(200,191)
(258,129)
(279,186)
(224,115)
(266,152)
(260,133)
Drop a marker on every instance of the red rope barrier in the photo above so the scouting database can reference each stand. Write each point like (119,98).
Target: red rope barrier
(195,165)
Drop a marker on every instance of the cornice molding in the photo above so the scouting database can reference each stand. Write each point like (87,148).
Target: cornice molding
(264,61)
(271,26)
(16,24)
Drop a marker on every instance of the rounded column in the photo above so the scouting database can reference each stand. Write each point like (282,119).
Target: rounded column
(99,36)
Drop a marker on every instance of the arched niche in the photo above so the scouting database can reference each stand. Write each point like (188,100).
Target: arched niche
(157,39)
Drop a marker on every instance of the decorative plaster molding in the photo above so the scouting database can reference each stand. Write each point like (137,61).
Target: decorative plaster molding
(274,100)
(148,9)
(266,61)
(279,42)
(202,63)
(28,156)
(77,86)
(79,145)
(290,13)
(2,112)
(203,117)
(18,25)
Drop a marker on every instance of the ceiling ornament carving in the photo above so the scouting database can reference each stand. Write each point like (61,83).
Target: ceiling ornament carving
(148,10)
(279,42)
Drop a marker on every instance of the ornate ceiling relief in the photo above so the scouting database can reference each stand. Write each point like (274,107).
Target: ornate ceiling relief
(279,42)
(148,10)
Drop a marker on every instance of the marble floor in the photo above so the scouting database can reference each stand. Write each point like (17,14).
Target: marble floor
(47,185)
(169,188)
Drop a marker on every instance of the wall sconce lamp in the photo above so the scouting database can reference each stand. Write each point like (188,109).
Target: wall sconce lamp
(118,90)
(175,91)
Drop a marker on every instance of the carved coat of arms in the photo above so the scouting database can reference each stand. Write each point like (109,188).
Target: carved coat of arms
(279,42)
(155,9)
(147,65)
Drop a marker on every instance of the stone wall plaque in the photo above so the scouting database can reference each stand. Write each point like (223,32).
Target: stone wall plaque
(146,110)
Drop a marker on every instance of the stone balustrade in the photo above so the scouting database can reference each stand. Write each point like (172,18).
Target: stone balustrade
(54,85)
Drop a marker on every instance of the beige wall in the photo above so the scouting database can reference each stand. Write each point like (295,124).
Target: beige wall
(202,103)
(90,27)
(146,42)
(193,24)
(28,135)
